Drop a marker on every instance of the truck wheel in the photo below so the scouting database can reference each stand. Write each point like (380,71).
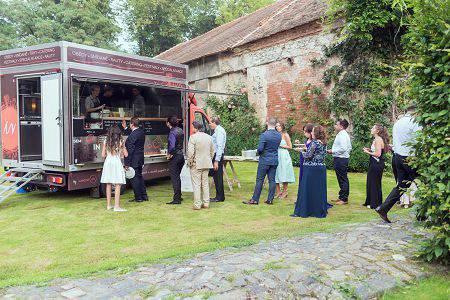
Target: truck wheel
(103,190)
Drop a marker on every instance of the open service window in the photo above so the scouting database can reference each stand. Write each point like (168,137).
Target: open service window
(99,104)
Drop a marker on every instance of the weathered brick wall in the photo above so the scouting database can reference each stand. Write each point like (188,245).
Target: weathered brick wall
(272,70)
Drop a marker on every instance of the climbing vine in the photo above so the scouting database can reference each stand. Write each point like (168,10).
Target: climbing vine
(367,45)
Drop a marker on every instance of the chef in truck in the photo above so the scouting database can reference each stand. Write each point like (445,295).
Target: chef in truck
(92,103)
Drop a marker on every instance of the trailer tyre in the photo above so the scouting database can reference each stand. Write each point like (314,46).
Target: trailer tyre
(123,187)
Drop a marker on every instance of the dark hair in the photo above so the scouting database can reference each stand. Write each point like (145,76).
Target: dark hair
(283,127)
(93,87)
(308,128)
(216,120)
(383,133)
(344,123)
(320,134)
(114,140)
(135,121)
(197,125)
(173,121)
(411,107)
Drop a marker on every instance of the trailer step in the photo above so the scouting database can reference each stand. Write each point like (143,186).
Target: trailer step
(10,183)
(24,170)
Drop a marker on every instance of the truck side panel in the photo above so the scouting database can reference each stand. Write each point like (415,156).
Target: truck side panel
(9,118)
(91,178)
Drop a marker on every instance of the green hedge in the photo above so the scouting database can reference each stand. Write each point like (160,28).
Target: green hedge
(239,120)
(428,47)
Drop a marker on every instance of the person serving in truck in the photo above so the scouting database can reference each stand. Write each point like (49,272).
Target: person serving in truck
(92,103)
(138,103)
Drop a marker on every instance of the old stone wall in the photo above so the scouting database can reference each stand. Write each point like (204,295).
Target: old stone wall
(272,70)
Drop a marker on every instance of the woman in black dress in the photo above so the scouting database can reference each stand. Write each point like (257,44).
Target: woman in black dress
(380,144)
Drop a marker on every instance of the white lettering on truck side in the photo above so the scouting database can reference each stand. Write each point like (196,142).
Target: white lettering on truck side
(9,128)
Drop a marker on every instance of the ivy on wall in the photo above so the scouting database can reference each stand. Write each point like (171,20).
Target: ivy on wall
(367,46)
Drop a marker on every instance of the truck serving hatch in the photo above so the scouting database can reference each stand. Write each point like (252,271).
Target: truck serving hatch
(175,88)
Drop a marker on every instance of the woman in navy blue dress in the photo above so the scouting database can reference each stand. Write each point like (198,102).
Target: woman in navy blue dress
(312,197)
(307,131)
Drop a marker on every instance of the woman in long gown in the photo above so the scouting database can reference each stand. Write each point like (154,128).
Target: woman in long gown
(307,132)
(312,198)
(380,144)
(285,170)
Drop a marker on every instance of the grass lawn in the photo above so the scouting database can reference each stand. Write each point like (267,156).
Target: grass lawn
(45,236)
(434,288)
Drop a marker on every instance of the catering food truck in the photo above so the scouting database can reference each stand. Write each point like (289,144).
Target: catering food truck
(59,99)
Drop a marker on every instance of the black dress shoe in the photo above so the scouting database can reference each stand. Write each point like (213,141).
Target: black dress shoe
(251,202)
(383,215)
(215,200)
(173,202)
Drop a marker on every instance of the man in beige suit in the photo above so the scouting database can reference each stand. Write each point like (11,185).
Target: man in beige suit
(200,155)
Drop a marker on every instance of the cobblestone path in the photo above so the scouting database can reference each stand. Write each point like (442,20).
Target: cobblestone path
(359,261)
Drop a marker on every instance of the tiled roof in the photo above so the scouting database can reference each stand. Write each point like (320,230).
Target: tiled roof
(280,16)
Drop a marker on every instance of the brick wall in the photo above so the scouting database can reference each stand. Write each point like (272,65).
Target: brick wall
(273,69)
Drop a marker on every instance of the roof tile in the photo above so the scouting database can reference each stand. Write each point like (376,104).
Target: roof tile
(280,16)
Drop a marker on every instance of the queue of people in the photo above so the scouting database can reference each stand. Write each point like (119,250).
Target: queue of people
(312,188)
(205,157)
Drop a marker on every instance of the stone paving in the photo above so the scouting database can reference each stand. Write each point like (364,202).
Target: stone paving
(359,261)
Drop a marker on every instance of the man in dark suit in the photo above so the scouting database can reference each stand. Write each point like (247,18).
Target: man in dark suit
(175,156)
(269,142)
(135,159)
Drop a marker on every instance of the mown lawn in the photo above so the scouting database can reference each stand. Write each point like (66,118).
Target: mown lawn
(436,287)
(45,236)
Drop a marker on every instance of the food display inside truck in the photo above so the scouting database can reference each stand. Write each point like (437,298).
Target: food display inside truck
(98,105)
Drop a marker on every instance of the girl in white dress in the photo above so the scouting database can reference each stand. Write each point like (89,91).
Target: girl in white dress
(113,172)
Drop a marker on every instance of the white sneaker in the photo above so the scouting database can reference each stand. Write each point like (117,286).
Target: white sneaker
(109,207)
(119,209)
(368,206)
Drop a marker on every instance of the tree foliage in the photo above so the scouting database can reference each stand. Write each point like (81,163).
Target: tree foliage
(428,51)
(23,23)
(202,15)
(158,25)
(230,10)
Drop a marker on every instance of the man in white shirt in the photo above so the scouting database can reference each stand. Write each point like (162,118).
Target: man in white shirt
(341,154)
(219,141)
(404,133)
